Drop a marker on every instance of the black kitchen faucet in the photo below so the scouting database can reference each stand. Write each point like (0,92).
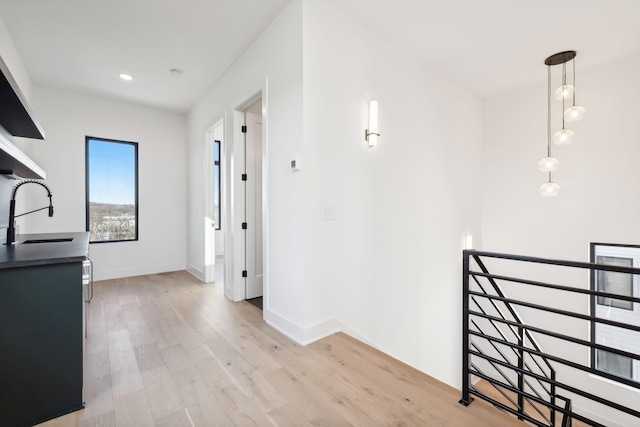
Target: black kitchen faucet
(11,231)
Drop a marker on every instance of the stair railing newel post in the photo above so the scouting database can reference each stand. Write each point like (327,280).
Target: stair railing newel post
(466,399)
(552,395)
(520,373)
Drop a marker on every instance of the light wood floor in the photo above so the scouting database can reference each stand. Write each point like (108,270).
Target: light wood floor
(167,350)
(487,389)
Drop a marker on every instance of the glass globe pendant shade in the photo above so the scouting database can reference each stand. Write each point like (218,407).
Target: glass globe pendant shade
(564,92)
(548,164)
(549,189)
(563,137)
(574,113)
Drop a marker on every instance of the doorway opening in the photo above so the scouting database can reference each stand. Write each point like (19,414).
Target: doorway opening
(252,184)
(214,204)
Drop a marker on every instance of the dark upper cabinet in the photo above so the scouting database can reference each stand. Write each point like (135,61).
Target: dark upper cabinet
(15,114)
(17,118)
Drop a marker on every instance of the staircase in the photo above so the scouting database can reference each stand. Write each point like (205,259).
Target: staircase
(503,362)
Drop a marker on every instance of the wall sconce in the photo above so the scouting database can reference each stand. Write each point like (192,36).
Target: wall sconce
(371,134)
(574,113)
(468,241)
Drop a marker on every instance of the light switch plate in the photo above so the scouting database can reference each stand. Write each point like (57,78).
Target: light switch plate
(329,213)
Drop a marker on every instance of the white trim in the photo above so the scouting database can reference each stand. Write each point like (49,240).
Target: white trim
(301,335)
(616,383)
(234,242)
(198,274)
(140,271)
(595,417)
(265,196)
(237,206)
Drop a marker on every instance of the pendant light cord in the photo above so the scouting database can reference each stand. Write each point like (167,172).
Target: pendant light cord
(564,85)
(549,114)
(573,63)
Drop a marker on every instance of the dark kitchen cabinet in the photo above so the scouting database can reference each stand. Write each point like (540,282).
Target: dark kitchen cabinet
(17,119)
(41,342)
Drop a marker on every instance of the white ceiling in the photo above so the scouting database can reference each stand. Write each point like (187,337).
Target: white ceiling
(486,46)
(83,45)
(490,46)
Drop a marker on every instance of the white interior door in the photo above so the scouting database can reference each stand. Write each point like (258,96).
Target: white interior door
(253,204)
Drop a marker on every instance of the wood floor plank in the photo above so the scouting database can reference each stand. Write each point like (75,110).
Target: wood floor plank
(69,420)
(162,335)
(132,410)
(219,345)
(115,321)
(214,373)
(107,419)
(242,410)
(187,336)
(162,393)
(98,392)
(203,407)
(297,393)
(148,356)
(179,418)
(289,415)
(250,351)
(250,380)
(125,375)
(176,358)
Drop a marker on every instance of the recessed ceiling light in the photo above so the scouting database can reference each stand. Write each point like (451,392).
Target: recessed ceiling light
(126,77)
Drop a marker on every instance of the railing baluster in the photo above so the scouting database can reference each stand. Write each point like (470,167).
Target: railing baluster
(520,374)
(466,399)
(553,399)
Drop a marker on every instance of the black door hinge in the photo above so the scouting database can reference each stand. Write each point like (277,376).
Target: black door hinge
(244,129)
(244,225)
(244,176)
(244,273)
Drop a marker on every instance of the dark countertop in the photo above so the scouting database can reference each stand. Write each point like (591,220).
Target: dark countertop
(32,254)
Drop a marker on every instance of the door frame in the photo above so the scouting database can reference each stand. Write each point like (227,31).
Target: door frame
(234,239)
(209,228)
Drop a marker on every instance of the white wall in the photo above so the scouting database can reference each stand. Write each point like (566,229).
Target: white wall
(387,269)
(11,57)
(67,118)
(14,63)
(273,63)
(598,176)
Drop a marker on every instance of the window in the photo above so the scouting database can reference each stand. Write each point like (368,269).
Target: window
(617,310)
(615,283)
(216,184)
(614,364)
(111,190)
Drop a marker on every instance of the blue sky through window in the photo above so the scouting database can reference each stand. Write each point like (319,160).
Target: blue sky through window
(112,170)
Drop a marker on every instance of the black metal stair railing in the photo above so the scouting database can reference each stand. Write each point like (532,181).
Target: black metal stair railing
(501,349)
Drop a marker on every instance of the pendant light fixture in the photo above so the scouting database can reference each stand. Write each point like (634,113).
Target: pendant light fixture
(566,92)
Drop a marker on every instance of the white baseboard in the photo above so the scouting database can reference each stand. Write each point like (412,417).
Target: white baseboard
(301,335)
(597,418)
(321,330)
(353,334)
(195,272)
(139,271)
